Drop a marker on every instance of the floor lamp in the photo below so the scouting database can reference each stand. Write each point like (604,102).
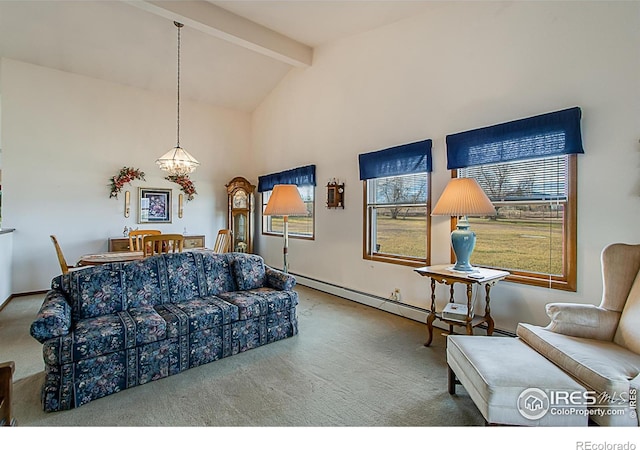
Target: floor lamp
(461,198)
(285,201)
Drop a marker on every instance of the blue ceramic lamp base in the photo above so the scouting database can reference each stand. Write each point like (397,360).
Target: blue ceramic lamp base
(463,241)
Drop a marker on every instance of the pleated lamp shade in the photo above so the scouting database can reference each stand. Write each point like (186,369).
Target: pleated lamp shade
(285,200)
(463,197)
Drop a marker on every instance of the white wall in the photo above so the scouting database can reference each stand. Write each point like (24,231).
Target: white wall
(64,136)
(458,67)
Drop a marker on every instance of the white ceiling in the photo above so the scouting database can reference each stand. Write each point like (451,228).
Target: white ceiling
(134,42)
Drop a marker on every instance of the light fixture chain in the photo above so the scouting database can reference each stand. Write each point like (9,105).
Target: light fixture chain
(177,161)
(179,25)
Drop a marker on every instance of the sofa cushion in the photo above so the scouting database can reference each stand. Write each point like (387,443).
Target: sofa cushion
(276,300)
(249,271)
(602,366)
(249,305)
(105,334)
(96,291)
(217,272)
(145,283)
(260,302)
(628,332)
(182,276)
(200,313)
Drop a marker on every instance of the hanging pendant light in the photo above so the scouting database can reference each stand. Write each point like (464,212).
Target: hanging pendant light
(178,161)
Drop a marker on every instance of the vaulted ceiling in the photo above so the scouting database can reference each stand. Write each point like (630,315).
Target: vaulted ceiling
(233,53)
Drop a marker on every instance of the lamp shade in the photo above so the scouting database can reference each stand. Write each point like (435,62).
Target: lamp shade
(177,161)
(285,200)
(463,197)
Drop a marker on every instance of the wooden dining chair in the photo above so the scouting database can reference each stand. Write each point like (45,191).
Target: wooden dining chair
(162,243)
(136,236)
(223,242)
(6,391)
(66,268)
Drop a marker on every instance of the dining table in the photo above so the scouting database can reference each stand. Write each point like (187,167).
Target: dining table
(94,259)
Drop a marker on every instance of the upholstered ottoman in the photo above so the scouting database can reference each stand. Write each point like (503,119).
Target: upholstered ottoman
(512,384)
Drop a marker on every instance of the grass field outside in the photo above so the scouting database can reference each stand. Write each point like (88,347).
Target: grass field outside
(523,245)
(297,225)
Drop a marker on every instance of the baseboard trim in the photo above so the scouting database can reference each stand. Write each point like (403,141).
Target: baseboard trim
(25,294)
(21,294)
(391,306)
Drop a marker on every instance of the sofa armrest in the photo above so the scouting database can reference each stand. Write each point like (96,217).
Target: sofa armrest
(53,319)
(277,279)
(580,320)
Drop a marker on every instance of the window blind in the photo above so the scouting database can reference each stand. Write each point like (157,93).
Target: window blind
(299,176)
(545,135)
(401,160)
(532,180)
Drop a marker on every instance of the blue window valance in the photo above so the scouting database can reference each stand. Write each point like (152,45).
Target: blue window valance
(551,134)
(299,176)
(401,160)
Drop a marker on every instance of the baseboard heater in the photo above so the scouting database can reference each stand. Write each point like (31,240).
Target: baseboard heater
(391,306)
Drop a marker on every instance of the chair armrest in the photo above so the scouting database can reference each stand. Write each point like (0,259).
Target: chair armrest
(53,319)
(634,383)
(279,280)
(581,320)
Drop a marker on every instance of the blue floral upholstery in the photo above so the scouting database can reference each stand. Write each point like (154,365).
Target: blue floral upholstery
(250,272)
(115,326)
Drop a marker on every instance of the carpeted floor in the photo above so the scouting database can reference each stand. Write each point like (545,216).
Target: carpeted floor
(350,365)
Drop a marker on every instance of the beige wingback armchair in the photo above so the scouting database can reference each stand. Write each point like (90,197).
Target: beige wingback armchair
(600,345)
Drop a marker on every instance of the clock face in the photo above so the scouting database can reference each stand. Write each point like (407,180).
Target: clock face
(240,199)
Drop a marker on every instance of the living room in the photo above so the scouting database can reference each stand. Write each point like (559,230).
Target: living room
(455,66)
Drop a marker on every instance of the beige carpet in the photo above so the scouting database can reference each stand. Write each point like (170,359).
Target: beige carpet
(350,365)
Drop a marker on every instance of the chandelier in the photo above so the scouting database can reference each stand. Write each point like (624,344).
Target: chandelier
(177,161)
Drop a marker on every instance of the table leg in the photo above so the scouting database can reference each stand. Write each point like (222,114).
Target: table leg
(432,313)
(469,297)
(487,310)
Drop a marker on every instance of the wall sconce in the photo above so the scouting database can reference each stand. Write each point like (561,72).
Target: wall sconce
(127,203)
(335,194)
(180,203)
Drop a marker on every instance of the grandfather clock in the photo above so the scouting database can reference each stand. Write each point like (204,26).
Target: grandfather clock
(240,216)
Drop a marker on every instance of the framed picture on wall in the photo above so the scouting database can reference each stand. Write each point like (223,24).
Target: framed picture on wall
(154,205)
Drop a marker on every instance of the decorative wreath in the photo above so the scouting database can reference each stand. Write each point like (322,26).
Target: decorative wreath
(126,175)
(186,185)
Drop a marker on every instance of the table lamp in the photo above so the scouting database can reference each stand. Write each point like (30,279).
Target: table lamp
(285,201)
(461,198)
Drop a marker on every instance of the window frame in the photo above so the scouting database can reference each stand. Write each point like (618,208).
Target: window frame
(367,236)
(290,234)
(567,281)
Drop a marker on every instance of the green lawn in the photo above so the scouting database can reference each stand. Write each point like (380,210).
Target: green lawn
(509,244)
(522,244)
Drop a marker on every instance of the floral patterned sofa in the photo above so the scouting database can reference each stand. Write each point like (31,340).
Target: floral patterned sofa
(111,327)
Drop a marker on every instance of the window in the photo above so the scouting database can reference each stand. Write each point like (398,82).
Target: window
(528,168)
(299,226)
(397,193)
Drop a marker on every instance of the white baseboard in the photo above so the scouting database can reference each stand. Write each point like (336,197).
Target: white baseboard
(391,306)
(384,304)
